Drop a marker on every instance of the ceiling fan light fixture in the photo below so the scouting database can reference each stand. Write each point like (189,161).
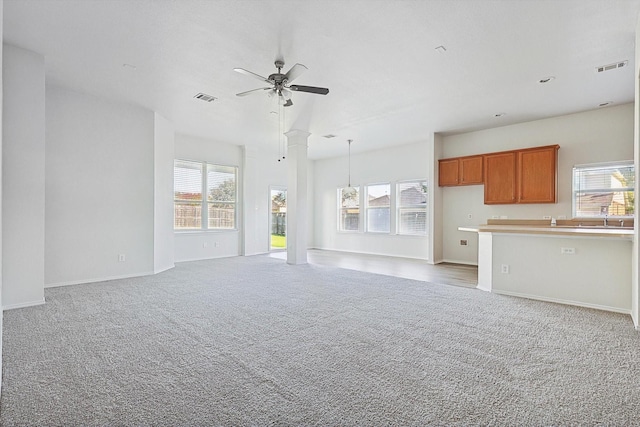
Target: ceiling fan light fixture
(286,94)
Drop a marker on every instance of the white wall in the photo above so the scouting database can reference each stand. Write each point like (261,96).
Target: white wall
(194,245)
(635,289)
(23,178)
(435,216)
(99,189)
(594,136)
(163,239)
(262,171)
(597,275)
(1,113)
(389,165)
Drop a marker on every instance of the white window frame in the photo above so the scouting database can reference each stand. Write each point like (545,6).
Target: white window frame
(368,208)
(205,202)
(400,207)
(595,166)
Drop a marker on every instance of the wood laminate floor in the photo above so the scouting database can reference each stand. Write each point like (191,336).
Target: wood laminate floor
(445,273)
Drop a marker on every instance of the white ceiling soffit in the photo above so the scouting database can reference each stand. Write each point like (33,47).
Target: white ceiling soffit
(397,70)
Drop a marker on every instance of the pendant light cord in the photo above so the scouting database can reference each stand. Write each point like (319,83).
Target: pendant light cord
(349,140)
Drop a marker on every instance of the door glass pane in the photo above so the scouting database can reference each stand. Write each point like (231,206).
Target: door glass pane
(278,219)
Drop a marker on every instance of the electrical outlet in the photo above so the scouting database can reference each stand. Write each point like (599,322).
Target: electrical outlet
(505,269)
(503,217)
(469,216)
(568,251)
(216,244)
(562,217)
(463,243)
(495,217)
(546,217)
(122,258)
(205,244)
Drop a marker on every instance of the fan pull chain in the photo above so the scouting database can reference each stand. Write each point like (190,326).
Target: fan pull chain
(279,132)
(284,142)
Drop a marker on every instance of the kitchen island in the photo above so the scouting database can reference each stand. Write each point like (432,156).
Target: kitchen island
(585,266)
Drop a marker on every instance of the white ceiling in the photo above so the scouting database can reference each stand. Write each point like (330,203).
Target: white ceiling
(388,84)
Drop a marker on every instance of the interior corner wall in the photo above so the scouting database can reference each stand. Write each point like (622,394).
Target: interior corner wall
(163,150)
(400,163)
(99,189)
(435,201)
(196,245)
(23,178)
(635,260)
(311,207)
(594,136)
(1,103)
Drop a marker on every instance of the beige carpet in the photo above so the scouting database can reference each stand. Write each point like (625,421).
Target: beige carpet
(256,342)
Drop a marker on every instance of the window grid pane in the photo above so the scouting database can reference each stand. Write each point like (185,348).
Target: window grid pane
(187,216)
(604,190)
(190,184)
(222,215)
(349,210)
(187,180)
(378,202)
(412,208)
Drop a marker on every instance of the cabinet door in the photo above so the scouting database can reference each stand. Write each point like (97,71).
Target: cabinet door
(500,178)
(537,175)
(448,172)
(471,170)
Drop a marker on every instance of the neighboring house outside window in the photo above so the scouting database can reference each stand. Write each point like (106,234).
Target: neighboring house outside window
(603,189)
(378,208)
(217,209)
(412,207)
(349,209)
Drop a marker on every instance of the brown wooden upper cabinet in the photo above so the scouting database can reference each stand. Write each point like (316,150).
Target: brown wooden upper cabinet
(460,171)
(500,178)
(521,176)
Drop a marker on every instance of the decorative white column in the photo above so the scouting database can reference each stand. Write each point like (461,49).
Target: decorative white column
(297,196)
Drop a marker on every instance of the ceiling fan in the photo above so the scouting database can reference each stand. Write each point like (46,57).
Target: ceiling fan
(280,84)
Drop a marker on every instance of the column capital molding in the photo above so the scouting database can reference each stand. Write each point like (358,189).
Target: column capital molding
(297,137)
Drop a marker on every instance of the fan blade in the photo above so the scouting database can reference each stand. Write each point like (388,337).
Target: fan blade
(289,103)
(310,89)
(252,91)
(250,74)
(294,72)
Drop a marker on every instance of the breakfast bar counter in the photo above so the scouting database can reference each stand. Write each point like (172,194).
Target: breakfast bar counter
(588,266)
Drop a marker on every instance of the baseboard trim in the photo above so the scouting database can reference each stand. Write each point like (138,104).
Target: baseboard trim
(566,302)
(160,270)
(98,279)
(23,305)
(454,261)
(206,258)
(369,253)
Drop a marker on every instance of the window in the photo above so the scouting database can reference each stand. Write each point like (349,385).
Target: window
(349,209)
(192,211)
(378,203)
(412,207)
(603,189)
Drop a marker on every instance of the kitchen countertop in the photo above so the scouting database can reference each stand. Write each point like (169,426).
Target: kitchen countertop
(619,232)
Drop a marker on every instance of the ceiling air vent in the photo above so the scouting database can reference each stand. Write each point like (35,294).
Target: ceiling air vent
(205,97)
(329,136)
(613,66)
